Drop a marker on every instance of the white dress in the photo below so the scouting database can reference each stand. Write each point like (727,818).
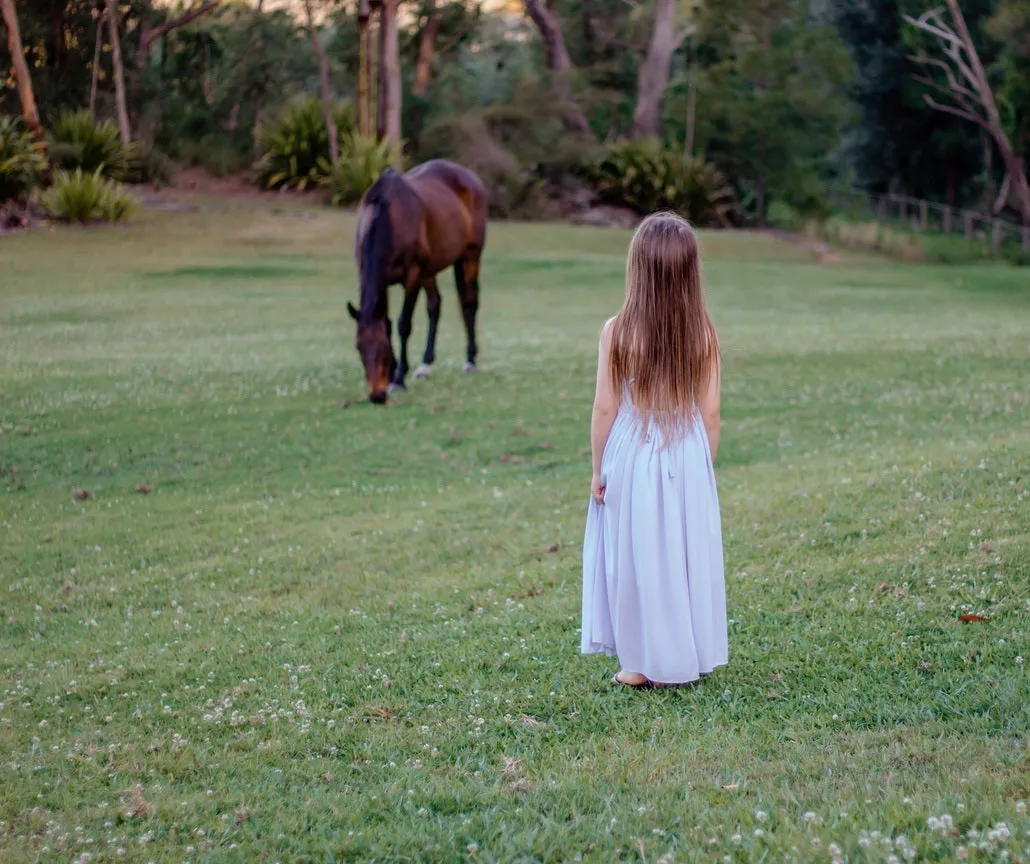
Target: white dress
(653,587)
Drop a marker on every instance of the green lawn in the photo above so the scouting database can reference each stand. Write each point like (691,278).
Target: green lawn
(338,633)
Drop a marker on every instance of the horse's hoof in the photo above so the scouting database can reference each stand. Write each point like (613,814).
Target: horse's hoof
(468,368)
(396,387)
(423,372)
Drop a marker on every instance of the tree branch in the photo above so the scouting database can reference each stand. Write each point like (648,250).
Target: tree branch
(958,112)
(151,35)
(683,33)
(953,83)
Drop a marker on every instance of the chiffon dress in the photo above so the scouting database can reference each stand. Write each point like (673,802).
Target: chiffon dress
(654,592)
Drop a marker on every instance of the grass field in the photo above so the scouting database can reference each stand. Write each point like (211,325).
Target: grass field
(350,634)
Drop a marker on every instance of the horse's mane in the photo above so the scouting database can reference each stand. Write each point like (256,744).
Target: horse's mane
(375,246)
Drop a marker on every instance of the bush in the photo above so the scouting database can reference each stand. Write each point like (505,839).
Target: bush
(81,197)
(22,160)
(216,154)
(295,146)
(78,141)
(146,164)
(361,162)
(511,189)
(645,177)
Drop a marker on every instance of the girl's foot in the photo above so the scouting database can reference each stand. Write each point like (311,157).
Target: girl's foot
(634,680)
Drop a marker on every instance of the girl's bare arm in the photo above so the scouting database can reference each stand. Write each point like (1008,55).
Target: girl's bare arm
(606,407)
(710,407)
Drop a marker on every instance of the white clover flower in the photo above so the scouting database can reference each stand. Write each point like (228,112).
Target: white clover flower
(761,815)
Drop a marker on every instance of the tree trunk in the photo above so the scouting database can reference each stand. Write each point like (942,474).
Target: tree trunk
(691,106)
(380,77)
(426,50)
(559,64)
(119,74)
(390,71)
(364,71)
(96,67)
(653,76)
(1019,185)
(21,69)
(325,84)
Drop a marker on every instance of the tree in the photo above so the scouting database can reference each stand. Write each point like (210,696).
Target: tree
(325,83)
(426,50)
(653,76)
(771,100)
(149,34)
(558,64)
(390,71)
(22,77)
(960,80)
(119,74)
(364,70)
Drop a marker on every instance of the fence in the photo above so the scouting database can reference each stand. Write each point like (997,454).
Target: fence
(924,216)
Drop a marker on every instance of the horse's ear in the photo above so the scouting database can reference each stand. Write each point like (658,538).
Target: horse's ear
(352,311)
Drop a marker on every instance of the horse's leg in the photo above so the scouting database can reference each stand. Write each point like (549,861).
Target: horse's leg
(466,276)
(404,331)
(433,307)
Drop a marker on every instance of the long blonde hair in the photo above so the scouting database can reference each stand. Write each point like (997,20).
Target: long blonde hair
(664,348)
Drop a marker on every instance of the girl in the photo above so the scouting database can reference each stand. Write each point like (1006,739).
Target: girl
(653,590)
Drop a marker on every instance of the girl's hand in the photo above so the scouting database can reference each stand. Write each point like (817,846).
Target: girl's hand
(597,488)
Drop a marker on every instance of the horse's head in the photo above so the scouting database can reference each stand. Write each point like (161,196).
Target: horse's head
(375,347)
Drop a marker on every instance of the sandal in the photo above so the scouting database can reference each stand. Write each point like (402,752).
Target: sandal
(644,685)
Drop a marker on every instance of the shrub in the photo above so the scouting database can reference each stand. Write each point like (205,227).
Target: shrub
(146,164)
(78,196)
(361,162)
(295,146)
(512,190)
(22,160)
(645,177)
(216,154)
(79,141)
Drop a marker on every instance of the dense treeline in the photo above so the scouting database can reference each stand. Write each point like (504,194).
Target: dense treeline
(770,101)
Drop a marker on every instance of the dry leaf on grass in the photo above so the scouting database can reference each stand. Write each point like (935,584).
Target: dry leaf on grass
(82,494)
(141,808)
(968,619)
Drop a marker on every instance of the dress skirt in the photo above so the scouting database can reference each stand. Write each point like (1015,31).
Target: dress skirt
(654,592)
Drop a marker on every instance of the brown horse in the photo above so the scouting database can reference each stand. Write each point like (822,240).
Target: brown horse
(409,228)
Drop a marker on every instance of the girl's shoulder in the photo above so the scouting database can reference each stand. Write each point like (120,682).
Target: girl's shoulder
(606,328)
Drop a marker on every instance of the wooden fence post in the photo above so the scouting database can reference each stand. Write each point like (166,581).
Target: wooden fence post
(924,216)
(968,219)
(996,232)
(947,219)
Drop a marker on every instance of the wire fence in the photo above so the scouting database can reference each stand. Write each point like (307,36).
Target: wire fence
(916,214)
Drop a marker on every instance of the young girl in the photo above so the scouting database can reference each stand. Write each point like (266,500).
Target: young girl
(653,590)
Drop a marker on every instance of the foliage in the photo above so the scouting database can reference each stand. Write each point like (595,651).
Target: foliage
(145,163)
(440,656)
(361,162)
(77,140)
(79,196)
(645,176)
(295,146)
(22,160)
(771,99)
